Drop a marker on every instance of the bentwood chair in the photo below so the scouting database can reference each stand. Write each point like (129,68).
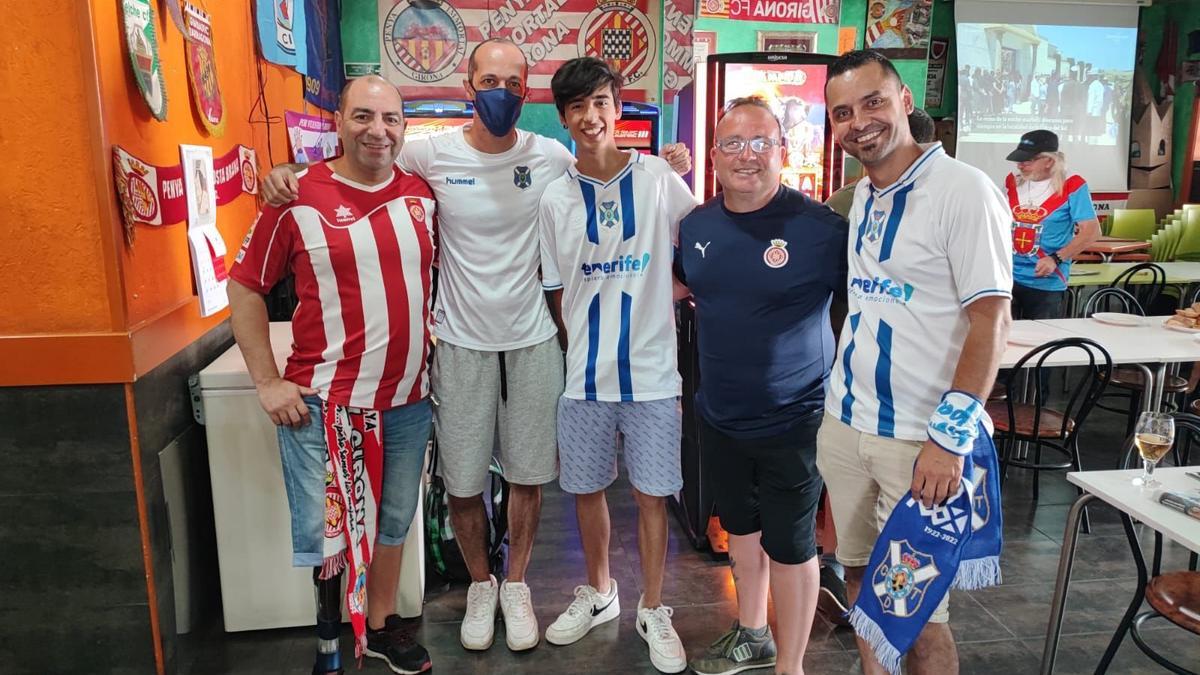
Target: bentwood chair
(1046,429)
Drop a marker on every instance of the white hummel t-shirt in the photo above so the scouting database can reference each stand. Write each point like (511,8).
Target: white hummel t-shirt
(609,246)
(920,251)
(488,297)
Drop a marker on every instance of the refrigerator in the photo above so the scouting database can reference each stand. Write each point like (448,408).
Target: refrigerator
(259,587)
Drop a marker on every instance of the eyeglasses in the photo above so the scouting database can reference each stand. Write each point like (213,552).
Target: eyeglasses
(734,145)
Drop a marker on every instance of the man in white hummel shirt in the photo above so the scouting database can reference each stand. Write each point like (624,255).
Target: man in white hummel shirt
(497,369)
(608,229)
(928,292)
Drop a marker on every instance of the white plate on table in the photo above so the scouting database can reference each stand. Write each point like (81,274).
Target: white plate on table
(1119,319)
(1181,329)
(1027,337)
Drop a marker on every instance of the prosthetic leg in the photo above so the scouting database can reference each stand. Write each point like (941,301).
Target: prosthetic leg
(329,624)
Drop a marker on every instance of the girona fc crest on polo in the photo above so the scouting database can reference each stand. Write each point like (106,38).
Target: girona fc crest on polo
(1025,238)
(620,34)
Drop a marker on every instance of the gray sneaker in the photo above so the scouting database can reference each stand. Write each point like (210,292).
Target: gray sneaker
(736,651)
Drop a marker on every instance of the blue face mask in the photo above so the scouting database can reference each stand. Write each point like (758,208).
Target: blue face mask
(498,109)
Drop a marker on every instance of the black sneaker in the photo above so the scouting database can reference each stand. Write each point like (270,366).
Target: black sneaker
(395,645)
(831,601)
(736,651)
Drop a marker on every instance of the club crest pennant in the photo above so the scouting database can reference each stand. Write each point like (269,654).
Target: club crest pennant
(202,69)
(900,581)
(981,506)
(522,177)
(608,214)
(248,160)
(620,34)
(142,44)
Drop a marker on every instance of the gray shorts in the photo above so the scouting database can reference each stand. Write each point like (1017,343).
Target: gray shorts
(587,445)
(478,409)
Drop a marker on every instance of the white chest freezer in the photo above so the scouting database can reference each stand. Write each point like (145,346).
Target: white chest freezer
(259,587)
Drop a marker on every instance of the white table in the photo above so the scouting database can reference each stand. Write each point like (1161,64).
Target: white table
(1116,489)
(1127,345)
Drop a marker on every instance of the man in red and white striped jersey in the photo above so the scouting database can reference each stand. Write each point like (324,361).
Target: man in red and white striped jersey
(359,242)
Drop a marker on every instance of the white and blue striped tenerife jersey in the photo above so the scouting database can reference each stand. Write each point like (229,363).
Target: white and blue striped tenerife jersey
(920,251)
(609,247)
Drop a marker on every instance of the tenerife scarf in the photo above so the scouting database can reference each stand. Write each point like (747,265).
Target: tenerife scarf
(353,485)
(924,552)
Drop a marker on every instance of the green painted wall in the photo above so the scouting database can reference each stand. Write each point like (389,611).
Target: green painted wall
(1185,14)
(943,27)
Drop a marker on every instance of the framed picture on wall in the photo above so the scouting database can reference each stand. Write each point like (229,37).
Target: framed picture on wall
(899,28)
(787,41)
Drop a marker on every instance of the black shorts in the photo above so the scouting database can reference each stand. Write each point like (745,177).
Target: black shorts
(769,485)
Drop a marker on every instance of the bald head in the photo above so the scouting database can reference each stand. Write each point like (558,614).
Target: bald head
(499,58)
(368,85)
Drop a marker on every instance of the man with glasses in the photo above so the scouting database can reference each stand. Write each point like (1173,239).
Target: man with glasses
(766,265)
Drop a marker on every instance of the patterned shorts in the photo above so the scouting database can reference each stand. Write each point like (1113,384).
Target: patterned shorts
(587,445)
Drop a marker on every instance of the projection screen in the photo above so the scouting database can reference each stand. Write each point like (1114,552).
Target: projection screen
(1066,67)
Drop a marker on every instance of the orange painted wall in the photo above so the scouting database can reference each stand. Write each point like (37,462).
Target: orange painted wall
(53,276)
(157,270)
(68,94)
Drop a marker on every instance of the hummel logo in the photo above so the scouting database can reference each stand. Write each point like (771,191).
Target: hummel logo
(596,611)
(343,214)
(701,248)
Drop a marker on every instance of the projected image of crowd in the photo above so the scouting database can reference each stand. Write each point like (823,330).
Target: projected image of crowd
(1015,79)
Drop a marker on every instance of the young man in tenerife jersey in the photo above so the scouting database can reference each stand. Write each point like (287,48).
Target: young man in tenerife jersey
(360,244)
(929,289)
(765,265)
(607,231)
(497,369)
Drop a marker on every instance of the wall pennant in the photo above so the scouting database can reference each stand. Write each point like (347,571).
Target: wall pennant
(277,22)
(235,173)
(202,69)
(149,194)
(142,44)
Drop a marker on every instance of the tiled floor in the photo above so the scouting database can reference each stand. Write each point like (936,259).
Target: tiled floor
(999,630)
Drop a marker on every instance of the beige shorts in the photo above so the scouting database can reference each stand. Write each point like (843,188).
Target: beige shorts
(865,475)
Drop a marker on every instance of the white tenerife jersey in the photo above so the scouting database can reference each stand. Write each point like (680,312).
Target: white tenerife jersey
(609,246)
(488,296)
(920,251)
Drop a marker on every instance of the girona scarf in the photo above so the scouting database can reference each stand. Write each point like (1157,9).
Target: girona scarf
(353,485)
(922,553)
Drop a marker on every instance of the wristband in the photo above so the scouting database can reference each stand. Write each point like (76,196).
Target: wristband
(954,425)
(1057,260)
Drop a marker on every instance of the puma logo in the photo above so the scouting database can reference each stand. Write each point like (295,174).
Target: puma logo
(701,248)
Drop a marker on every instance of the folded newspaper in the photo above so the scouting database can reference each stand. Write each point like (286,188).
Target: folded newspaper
(1187,503)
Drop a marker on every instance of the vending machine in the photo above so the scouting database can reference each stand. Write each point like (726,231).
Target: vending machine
(638,127)
(794,86)
(433,118)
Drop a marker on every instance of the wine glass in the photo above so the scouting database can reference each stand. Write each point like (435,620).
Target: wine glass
(1153,436)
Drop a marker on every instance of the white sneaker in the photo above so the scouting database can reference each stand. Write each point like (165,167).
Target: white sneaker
(666,651)
(520,625)
(479,625)
(588,609)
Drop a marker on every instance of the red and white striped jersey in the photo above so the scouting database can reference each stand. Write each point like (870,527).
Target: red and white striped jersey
(361,257)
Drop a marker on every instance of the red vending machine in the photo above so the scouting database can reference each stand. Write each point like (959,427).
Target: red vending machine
(794,86)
